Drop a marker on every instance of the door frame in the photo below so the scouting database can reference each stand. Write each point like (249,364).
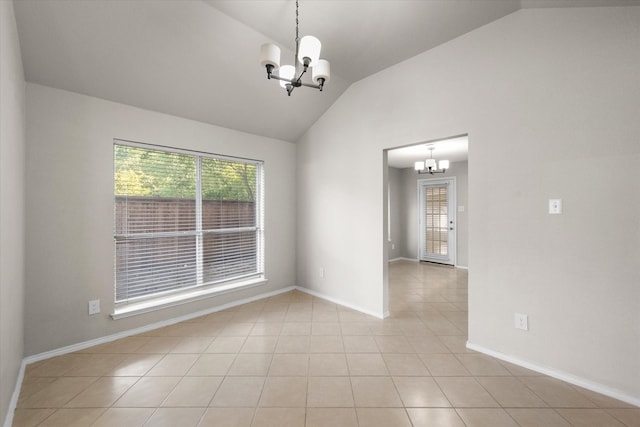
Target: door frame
(453,235)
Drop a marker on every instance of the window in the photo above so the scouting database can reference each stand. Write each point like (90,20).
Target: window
(184,220)
(436,216)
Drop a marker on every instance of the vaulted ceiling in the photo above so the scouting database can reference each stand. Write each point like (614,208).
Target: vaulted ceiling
(198,59)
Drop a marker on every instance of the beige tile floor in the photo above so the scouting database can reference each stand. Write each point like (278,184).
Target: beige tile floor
(295,360)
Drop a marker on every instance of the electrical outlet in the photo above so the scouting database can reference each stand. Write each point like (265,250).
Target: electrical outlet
(322,273)
(522,321)
(555,206)
(94,307)
(393,246)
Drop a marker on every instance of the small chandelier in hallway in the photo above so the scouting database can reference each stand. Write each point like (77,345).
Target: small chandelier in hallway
(307,55)
(429,165)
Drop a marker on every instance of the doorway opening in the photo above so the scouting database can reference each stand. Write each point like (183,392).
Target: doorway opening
(426,214)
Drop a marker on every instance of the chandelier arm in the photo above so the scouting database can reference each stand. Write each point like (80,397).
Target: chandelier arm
(276,77)
(311,85)
(430,172)
(299,79)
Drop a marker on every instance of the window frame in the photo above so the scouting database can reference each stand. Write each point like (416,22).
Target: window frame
(202,289)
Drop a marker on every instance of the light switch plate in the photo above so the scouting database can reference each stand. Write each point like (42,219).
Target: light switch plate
(522,321)
(94,307)
(555,206)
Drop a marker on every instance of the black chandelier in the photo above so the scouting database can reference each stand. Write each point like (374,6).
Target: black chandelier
(307,55)
(429,165)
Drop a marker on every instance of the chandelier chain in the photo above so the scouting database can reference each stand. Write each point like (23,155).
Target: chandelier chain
(297,34)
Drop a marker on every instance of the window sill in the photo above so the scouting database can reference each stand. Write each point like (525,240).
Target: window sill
(160,303)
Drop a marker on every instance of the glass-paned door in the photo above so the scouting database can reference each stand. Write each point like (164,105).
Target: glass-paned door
(437,220)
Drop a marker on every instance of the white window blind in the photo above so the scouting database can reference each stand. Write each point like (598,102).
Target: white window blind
(184,220)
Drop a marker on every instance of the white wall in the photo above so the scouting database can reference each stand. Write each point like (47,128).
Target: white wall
(550,95)
(409,211)
(341,228)
(70,209)
(12,188)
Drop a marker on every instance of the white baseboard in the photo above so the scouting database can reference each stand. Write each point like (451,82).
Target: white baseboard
(564,376)
(8,421)
(462,267)
(379,315)
(157,325)
(102,340)
(150,327)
